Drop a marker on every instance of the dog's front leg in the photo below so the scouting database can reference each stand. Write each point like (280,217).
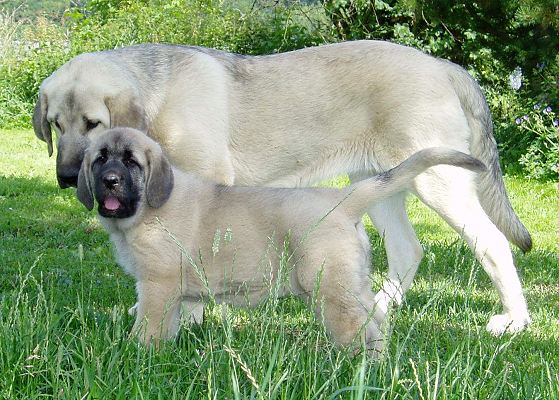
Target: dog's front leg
(191,312)
(157,312)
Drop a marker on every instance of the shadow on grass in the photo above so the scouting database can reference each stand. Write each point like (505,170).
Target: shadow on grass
(46,227)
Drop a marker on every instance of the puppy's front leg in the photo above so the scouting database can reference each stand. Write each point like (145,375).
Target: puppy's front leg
(191,312)
(157,311)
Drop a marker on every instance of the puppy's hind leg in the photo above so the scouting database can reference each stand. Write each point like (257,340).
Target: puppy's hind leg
(346,304)
(192,312)
(133,310)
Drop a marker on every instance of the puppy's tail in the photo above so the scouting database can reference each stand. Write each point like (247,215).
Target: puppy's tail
(359,196)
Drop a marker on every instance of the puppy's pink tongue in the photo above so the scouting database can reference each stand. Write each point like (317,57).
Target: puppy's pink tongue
(111,204)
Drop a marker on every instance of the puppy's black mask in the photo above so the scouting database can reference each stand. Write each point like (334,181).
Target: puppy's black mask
(118,181)
(122,169)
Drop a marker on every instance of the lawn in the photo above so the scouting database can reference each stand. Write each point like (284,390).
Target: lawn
(64,327)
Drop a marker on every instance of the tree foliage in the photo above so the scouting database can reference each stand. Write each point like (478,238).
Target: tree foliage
(511,47)
(513,33)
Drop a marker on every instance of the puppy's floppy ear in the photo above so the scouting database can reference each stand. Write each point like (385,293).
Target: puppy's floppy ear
(126,110)
(41,125)
(85,191)
(159,177)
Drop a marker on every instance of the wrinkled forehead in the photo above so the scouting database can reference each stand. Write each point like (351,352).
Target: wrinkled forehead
(75,89)
(117,142)
(73,106)
(63,103)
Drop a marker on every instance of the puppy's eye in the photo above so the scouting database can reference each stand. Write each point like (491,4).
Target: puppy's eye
(90,125)
(102,157)
(128,160)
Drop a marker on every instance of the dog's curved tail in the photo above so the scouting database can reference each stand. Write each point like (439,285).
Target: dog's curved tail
(359,196)
(491,189)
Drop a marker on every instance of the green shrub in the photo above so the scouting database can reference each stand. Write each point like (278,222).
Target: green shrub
(541,159)
(34,50)
(31,54)
(523,127)
(490,39)
(248,28)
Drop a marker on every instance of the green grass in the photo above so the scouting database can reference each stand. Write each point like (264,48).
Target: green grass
(64,327)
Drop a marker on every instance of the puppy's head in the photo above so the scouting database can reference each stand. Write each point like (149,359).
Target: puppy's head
(122,170)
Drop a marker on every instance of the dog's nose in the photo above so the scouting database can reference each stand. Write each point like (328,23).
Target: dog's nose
(111,180)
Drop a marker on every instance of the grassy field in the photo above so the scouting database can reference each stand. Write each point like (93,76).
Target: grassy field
(64,326)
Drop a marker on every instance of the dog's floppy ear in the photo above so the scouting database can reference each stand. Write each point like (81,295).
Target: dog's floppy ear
(41,125)
(126,111)
(159,177)
(85,191)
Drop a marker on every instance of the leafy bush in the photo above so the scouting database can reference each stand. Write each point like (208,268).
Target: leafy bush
(541,160)
(522,121)
(35,50)
(490,39)
(31,54)
(249,28)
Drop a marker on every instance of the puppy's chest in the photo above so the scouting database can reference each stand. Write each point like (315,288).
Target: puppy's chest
(124,254)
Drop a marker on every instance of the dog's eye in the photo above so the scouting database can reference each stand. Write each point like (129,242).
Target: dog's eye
(102,157)
(90,125)
(57,125)
(130,162)
(128,159)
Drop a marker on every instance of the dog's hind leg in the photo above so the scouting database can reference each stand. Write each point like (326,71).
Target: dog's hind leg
(459,205)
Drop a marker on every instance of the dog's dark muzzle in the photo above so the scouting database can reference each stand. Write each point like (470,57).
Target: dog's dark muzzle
(66,181)
(114,191)
(69,160)
(67,173)
(112,180)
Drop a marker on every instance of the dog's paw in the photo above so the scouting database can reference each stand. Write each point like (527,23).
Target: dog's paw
(504,323)
(133,310)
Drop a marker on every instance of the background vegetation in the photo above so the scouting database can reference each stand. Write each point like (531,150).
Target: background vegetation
(511,47)
(64,327)
(63,300)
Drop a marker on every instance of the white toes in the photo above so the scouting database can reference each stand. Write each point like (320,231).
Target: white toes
(383,302)
(504,323)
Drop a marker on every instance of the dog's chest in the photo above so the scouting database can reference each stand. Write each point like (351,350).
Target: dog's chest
(124,256)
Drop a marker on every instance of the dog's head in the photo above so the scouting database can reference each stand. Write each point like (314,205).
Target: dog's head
(84,97)
(124,170)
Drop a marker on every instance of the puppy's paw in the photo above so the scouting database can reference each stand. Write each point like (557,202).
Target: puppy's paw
(504,323)
(376,348)
(133,310)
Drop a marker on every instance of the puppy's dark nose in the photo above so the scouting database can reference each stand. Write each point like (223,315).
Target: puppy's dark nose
(111,180)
